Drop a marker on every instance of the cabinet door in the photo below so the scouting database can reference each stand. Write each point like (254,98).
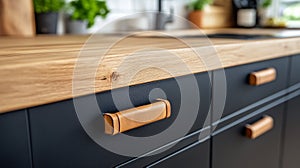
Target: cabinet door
(195,155)
(295,69)
(59,140)
(240,93)
(291,152)
(291,138)
(14,141)
(194,149)
(233,149)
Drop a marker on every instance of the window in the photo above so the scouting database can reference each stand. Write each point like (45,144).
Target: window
(289,10)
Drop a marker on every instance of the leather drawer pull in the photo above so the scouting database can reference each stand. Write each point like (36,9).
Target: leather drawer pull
(136,117)
(259,128)
(262,77)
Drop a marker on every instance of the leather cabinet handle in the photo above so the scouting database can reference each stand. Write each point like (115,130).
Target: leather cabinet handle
(262,77)
(136,117)
(259,128)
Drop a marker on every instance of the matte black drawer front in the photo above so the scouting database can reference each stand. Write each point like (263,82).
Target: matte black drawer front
(60,141)
(139,96)
(291,151)
(196,155)
(233,149)
(14,141)
(181,146)
(295,70)
(241,94)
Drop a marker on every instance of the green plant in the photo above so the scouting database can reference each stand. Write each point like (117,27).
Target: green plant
(266,3)
(88,10)
(44,6)
(199,4)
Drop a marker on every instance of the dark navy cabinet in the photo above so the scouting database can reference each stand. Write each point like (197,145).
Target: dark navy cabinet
(294,70)
(241,94)
(58,139)
(14,141)
(291,146)
(193,156)
(233,149)
(196,144)
(291,138)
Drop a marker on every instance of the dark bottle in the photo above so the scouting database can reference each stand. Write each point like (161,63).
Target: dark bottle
(245,13)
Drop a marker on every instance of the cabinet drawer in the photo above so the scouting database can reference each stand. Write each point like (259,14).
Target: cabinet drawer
(295,70)
(58,139)
(183,145)
(14,141)
(195,155)
(241,94)
(178,98)
(233,149)
(292,126)
(291,141)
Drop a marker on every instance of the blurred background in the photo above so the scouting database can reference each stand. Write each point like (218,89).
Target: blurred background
(30,17)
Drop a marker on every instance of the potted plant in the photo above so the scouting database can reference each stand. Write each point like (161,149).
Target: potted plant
(263,10)
(196,14)
(46,15)
(83,14)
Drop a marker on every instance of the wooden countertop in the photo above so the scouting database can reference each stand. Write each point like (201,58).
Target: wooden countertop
(40,70)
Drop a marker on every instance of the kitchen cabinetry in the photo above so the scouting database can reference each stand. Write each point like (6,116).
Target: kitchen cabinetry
(58,139)
(240,93)
(196,155)
(248,104)
(233,149)
(291,136)
(51,135)
(15,140)
(195,150)
(294,70)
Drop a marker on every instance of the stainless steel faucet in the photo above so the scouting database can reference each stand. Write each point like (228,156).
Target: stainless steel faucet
(162,18)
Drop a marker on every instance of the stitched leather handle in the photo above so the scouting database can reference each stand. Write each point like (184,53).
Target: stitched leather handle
(136,117)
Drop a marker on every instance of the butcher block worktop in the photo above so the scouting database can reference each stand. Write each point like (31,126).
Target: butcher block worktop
(40,70)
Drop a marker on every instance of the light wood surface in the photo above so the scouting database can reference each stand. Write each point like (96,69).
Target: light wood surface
(257,129)
(136,117)
(40,70)
(17,18)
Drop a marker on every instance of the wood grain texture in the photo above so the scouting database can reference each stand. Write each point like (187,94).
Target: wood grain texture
(17,18)
(40,70)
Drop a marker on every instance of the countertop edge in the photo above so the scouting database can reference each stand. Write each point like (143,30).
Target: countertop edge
(34,85)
